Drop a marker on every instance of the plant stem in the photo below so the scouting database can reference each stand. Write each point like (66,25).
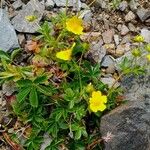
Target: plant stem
(66,6)
(93,144)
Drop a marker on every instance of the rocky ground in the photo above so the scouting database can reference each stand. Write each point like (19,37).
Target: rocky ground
(109,30)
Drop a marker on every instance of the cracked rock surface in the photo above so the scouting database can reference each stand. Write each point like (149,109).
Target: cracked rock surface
(130,123)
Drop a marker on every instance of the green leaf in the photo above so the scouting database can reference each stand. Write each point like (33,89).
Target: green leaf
(24,83)
(40,79)
(71,104)
(80,47)
(78,134)
(33,97)
(46,90)
(14,53)
(23,94)
(4,55)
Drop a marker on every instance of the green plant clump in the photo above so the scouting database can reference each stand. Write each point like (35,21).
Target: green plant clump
(59,92)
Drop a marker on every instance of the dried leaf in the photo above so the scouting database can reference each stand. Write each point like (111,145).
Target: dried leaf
(14,145)
(32,46)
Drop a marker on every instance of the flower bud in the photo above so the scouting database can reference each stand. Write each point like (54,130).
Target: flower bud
(138,38)
(147,47)
(136,52)
(148,57)
(90,88)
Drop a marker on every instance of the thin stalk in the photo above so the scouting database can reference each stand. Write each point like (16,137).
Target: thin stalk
(66,6)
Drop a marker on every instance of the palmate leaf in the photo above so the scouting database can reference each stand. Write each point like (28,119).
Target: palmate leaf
(40,79)
(23,94)
(33,97)
(46,90)
(24,83)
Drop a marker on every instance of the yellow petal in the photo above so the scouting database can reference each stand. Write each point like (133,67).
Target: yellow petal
(74,25)
(94,108)
(64,55)
(102,107)
(96,94)
(104,99)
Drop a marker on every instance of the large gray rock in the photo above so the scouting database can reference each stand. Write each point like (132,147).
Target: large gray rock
(129,124)
(8,38)
(33,7)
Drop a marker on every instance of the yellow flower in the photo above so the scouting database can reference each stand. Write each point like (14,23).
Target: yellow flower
(138,38)
(64,55)
(74,25)
(98,101)
(148,57)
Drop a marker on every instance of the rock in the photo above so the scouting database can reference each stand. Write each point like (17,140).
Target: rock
(102,3)
(146,34)
(8,88)
(132,27)
(108,36)
(110,82)
(108,60)
(49,4)
(143,14)
(33,7)
(119,27)
(128,124)
(122,48)
(110,69)
(126,39)
(85,6)
(133,4)
(86,15)
(91,36)
(124,30)
(97,51)
(17,4)
(21,39)
(129,16)
(71,3)
(46,142)
(8,38)
(123,5)
(109,46)
(116,39)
